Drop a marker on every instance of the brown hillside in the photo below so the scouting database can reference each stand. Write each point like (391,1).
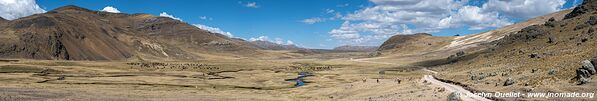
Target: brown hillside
(540,57)
(74,33)
(415,43)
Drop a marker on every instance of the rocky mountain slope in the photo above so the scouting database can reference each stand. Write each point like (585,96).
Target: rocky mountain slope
(74,33)
(549,57)
(435,46)
(350,48)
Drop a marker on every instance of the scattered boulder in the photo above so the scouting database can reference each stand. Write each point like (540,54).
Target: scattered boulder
(582,81)
(454,96)
(580,26)
(473,77)
(582,76)
(532,32)
(551,72)
(551,40)
(582,73)
(460,53)
(551,22)
(60,78)
(587,65)
(551,19)
(534,70)
(509,81)
(534,55)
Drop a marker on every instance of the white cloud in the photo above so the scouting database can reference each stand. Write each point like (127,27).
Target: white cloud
(391,17)
(276,40)
(329,11)
(13,9)
(213,30)
(260,38)
(312,20)
(251,5)
(524,8)
(343,5)
(289,42)
(110,9)
(205,18)
(164,14)
(475,18)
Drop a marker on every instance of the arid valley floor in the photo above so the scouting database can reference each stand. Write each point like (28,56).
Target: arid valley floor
(73,53)
(233,79)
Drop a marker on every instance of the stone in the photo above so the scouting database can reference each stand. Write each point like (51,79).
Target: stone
(534,55)
(460,53)
(472,77)
(60,78)
(584,81)
(454,96)
(551,40)
(551,72)
(582,73)
(587,65)
(592,20)
(509,81)
(582,76)
(551,22)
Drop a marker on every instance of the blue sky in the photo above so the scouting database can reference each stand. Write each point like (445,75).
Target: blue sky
(329,23)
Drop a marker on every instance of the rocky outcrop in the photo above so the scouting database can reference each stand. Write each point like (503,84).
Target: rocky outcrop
(586,7)
(583,74)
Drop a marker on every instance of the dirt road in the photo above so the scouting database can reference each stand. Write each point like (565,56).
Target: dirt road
(464,94)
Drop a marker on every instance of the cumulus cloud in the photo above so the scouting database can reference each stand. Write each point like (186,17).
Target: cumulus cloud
(260,38)
(391,17)
(205,18)
(251,5)
(475,18)
(524,8)
(276,40)
(110,9)
(13,9)
(213,30)
(312,20)
(164,14)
